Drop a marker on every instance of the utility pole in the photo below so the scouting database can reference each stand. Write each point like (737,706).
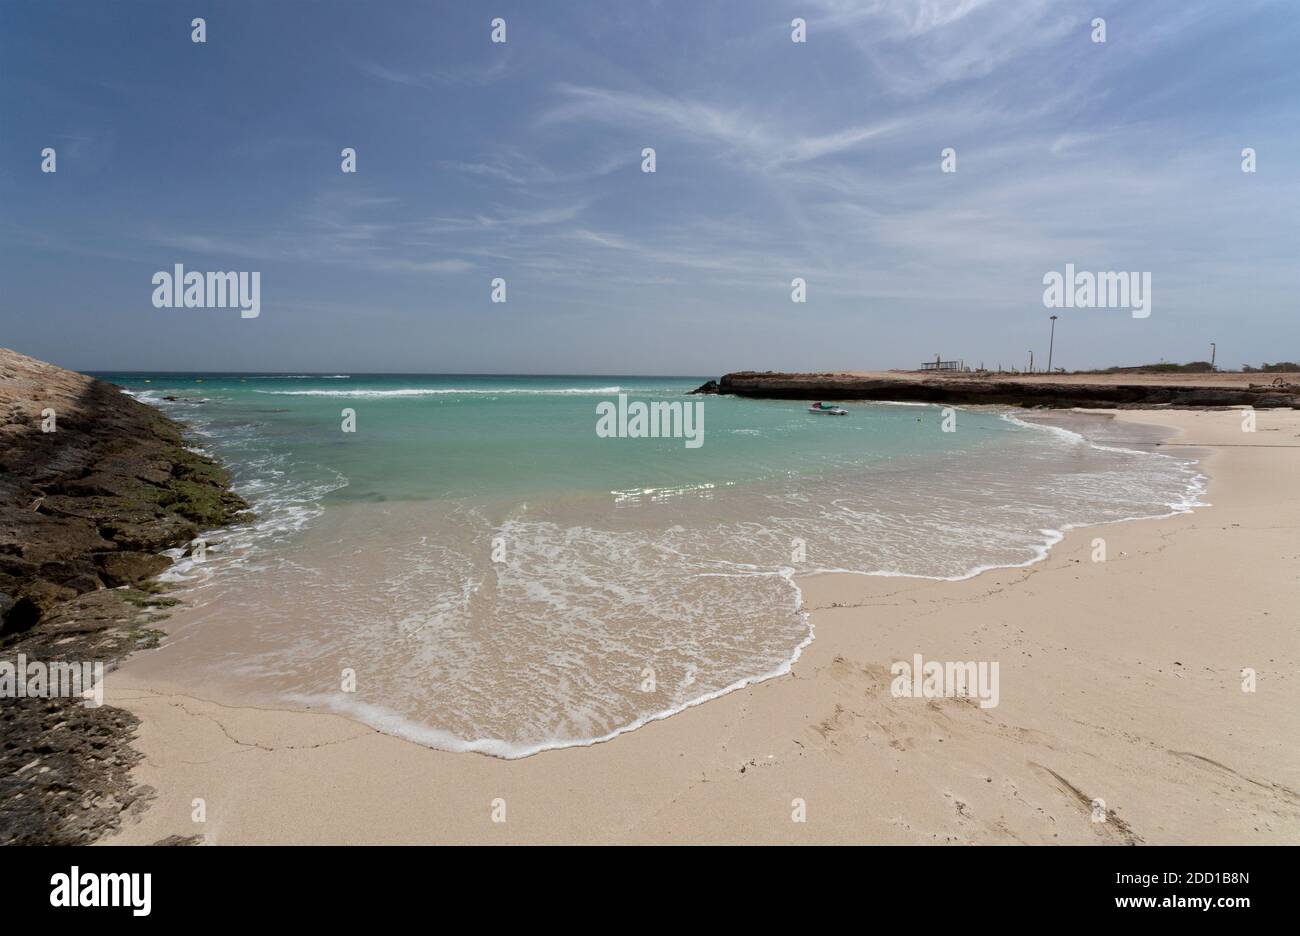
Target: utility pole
(1213,351)
(1050,342)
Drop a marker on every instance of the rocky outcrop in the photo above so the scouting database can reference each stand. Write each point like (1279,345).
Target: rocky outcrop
(1026,391)
(92,485)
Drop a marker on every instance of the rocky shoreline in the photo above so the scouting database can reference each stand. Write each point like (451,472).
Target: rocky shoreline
(93,484)
(1055,391)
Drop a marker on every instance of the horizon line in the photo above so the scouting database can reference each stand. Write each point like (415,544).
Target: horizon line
(343,372)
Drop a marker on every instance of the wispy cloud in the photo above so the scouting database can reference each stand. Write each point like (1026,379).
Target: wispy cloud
(915,47)
(509,164)
(735,133)
(775,160)
(470,74)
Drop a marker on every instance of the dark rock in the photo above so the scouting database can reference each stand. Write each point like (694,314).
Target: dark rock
(45,594)
(145,535)
(84,583)
(16,568)
(66,571)
(107,485)
(129,568)
(89,504)
(65,771)
(20,617)
(977,389)
(180,840)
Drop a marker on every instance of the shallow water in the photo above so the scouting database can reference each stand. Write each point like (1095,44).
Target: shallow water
(502,579)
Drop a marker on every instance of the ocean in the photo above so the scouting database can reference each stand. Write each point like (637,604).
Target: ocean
(475,568)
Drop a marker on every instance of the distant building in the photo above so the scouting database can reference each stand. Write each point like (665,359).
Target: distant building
(941,365)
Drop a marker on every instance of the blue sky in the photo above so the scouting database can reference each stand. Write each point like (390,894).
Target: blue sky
(522,160)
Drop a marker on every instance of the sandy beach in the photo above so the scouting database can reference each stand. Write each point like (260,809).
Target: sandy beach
(1120,682)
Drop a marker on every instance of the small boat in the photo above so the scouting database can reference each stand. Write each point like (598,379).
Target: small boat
(827,410)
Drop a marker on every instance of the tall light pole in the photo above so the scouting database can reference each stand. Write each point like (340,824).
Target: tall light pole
(1051,341)
(1214,349)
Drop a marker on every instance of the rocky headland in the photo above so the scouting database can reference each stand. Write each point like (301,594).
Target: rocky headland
(93,485)
(1103,391)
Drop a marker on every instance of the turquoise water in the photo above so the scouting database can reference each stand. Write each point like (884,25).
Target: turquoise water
(422,437)
(502,579)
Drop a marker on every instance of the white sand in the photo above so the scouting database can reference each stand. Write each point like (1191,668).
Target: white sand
(1119,680)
